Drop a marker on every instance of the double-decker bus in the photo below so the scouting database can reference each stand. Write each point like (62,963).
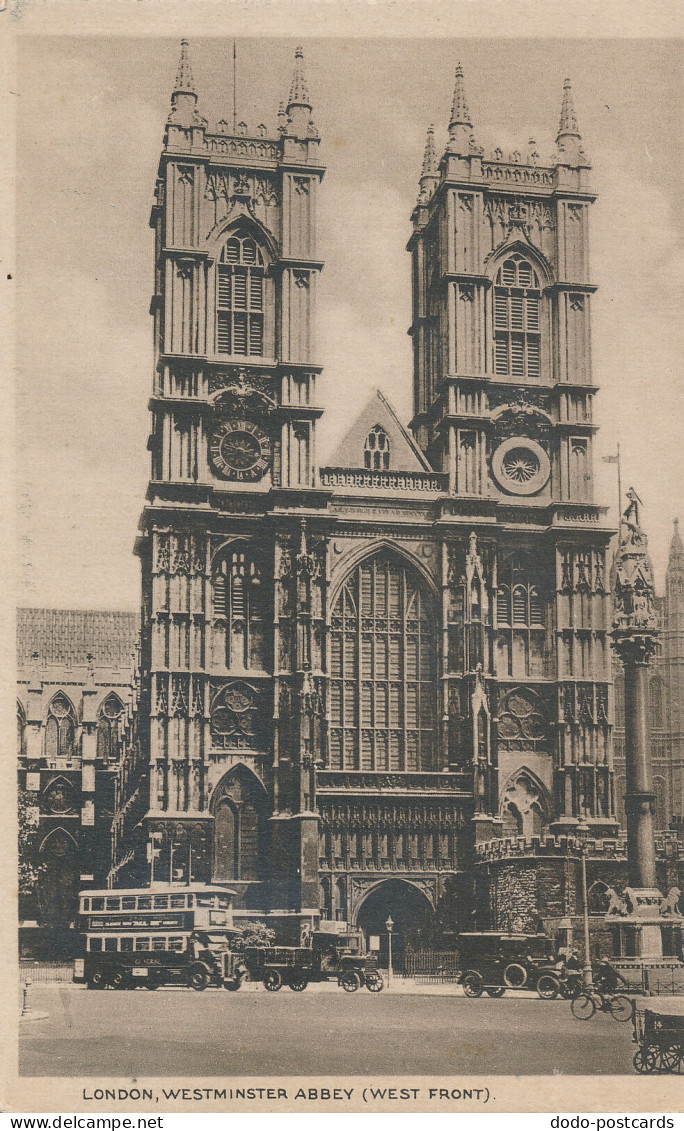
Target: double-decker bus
(158,935)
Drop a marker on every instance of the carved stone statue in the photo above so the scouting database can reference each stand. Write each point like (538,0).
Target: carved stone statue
(616,904)
(670,904)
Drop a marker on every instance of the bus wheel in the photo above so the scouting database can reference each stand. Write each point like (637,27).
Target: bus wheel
(299,983)
(197,978)
(273,980)
(96,980)
(117,978)
(233,984)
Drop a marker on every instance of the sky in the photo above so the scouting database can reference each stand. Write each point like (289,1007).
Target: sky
(91,114)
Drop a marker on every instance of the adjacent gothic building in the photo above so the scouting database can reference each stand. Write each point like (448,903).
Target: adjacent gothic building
(73,696)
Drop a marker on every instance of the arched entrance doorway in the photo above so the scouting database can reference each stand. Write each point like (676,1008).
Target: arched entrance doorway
(410,910)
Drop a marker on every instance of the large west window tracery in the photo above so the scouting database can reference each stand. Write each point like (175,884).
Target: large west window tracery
(383,670)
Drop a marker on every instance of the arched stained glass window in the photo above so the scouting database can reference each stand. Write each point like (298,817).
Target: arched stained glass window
(240,600)
(240,298)
(383,670)
(517,320)
(59,728)
(109,728)
(376,452)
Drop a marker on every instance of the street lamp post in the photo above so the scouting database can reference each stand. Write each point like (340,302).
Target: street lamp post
(390,925)
(586,970)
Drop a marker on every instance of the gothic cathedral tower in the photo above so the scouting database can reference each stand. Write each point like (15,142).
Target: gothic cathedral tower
(503,402)
(228,705)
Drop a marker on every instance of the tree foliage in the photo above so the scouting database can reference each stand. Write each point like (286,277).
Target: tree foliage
(256,934)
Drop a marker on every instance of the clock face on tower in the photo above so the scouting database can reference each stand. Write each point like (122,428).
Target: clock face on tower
(240,450)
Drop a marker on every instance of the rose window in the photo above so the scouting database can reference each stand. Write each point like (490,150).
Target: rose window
(520,465)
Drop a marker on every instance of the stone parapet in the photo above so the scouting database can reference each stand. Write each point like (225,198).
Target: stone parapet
(509,848)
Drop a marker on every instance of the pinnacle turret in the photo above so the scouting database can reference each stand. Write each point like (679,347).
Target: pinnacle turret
(184,112)
(567,127)
(460,113)
(676,559)
(460,122)
(569,140)
(430,172)
(185,83)
(299,90)
(300,124)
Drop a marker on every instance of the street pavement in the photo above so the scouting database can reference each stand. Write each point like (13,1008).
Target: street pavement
(410,1030)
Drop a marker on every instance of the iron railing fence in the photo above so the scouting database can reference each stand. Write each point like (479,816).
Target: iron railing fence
(441,964)
(45,972)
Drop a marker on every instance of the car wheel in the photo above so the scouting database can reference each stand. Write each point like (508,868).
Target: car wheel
(299,984)
(350,981)
(548,986)
(198,978)
(472,983)
(273,980)
(496,991)
(375,982)
(515,976)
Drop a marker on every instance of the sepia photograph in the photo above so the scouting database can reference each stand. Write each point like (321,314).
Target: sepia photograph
(350,582)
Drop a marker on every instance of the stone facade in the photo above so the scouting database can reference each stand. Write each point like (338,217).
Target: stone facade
(381,686)
(73,698)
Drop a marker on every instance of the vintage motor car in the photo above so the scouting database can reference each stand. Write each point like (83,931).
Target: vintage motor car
(493,961)
(325,957)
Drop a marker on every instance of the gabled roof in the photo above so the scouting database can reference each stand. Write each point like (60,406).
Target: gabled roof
(404,453)
(65,636)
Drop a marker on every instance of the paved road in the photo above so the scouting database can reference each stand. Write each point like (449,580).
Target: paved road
(177,1032)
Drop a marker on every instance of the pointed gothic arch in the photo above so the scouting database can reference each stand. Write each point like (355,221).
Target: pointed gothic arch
(352,560)
(109,723)
(59,878)
(241,808)
(526,805)
(59,728)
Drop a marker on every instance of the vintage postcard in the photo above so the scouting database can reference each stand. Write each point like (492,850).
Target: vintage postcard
(349,603)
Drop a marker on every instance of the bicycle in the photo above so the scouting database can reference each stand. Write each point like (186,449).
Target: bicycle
(586,1003)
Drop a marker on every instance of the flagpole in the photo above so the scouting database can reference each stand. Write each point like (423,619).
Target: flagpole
(619,474)
(234,88)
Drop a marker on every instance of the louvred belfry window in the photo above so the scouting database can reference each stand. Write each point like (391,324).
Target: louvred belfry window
(517,321)
(240,298)
(383,671)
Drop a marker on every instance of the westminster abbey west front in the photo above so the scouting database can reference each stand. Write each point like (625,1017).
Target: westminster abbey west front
(380,686)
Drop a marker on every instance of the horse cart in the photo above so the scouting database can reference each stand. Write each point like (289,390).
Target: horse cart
(659,1033)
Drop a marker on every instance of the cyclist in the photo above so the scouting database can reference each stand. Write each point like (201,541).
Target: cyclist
(606,977)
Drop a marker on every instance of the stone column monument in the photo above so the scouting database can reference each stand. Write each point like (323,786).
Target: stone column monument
(642,908)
